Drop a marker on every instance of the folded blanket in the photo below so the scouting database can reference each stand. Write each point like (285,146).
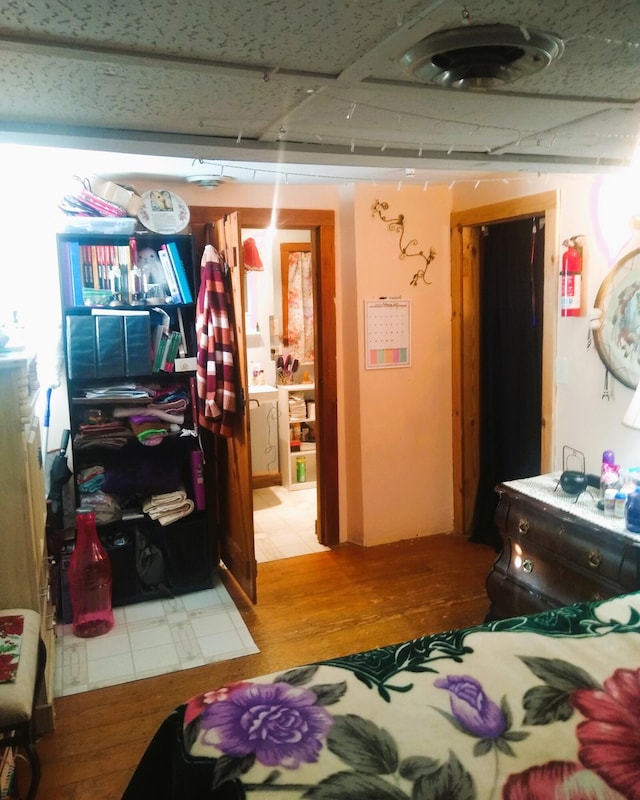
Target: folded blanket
(169,507)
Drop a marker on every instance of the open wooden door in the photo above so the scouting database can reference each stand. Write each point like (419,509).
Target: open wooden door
(237,547)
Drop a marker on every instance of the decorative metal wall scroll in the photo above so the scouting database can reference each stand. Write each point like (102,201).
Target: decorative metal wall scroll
(396,225)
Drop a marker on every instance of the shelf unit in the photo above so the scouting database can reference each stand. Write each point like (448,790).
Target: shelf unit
(136,467)
(24,562)
(296,413)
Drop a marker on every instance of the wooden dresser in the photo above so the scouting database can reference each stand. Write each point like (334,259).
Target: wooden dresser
(24,564)
(556,550)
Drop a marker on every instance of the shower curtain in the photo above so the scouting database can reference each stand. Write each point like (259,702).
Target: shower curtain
(300,323)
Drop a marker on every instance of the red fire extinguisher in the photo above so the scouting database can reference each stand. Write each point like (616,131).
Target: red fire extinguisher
(571,277)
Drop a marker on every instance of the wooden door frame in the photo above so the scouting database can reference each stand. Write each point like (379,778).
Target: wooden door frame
(465,326)
(321,224)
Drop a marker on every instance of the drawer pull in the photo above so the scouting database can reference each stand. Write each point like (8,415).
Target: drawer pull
(527,565)
(523,526)
(594,559)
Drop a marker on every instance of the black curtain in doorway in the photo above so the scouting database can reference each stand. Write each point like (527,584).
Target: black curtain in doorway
(511,292)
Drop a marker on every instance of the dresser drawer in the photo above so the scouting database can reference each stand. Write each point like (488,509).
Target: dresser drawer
(540,572)
(555,537)
(556,552)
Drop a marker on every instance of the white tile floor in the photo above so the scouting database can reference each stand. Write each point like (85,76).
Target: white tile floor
(151,639)
(284,523)
(163,636)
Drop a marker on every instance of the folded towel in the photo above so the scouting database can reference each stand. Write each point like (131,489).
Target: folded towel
(165,500)
(168,517)
(169,507)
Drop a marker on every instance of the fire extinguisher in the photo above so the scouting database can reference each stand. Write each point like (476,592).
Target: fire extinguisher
(571,277)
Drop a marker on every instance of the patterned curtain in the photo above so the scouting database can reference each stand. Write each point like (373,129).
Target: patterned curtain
(300,326)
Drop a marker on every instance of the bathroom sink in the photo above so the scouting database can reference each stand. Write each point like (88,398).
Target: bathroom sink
(264,389)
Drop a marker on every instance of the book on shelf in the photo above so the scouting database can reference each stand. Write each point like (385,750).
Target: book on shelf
(171,352)
(99,273)
(166,352)
(160,326)
(76,271)
(104,274)
(179,272)
(158,358)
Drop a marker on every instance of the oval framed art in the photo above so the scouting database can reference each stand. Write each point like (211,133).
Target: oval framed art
(617,339)
(163,212)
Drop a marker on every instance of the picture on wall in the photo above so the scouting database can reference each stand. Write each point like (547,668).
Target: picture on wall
(387,333)
(617,338)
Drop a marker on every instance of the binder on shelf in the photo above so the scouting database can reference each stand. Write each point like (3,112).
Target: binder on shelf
(137,339)
(110,345)
(169,275)
(179,272)
(82,359)
(125,329)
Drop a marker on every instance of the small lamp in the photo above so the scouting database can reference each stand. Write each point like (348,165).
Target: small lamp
(632,418)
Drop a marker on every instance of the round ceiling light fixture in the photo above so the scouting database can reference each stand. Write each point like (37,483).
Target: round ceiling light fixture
(208,181)
(482,56)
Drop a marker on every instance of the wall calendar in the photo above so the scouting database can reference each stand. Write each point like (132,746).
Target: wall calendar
(387,333)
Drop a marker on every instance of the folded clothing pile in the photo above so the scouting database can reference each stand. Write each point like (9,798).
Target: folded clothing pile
(112,435)
(297,408)
(91,479)
(148,430)
(169,507)
(153,422)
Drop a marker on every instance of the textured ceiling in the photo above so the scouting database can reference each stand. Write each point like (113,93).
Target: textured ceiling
(316,82)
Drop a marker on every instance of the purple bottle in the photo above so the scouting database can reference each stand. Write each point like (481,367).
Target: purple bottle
(608,475)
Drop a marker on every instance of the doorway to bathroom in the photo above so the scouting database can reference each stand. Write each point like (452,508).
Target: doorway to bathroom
(280,350)
(225,225)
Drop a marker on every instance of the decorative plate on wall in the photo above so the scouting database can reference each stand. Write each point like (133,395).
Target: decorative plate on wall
(163,212)
(618,337)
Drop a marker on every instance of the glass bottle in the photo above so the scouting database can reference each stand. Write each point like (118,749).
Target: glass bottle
(90,579)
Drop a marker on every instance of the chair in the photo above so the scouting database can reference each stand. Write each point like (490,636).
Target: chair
(18,697)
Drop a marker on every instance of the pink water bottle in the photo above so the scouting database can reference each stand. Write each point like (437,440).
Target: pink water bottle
(90,579)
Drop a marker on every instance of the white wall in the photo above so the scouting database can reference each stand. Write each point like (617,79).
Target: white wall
(599,208)
(394,425)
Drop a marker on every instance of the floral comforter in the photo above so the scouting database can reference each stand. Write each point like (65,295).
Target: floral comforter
(530,708)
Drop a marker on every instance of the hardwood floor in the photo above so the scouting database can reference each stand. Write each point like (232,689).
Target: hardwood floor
(309,608)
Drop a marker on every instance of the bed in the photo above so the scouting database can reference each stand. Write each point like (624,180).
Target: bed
(528,708)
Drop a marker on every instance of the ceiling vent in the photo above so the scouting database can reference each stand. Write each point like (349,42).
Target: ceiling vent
(482,56)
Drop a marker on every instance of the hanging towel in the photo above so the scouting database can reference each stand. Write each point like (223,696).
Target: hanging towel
(216,356)
(251,256)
